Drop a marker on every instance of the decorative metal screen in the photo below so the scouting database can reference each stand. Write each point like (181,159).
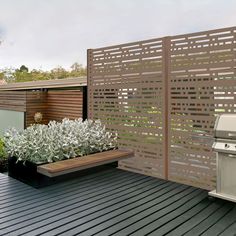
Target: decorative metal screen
(162,96)
(202,83)
(126,88)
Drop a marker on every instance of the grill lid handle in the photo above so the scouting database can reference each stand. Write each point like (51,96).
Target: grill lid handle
(231,155)
(232,135)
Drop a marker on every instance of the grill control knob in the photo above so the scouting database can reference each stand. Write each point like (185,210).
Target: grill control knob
(226,145)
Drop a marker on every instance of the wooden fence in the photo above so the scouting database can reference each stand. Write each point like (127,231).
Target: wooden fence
(54,104)
(15,101)
(64,103)
(162,96)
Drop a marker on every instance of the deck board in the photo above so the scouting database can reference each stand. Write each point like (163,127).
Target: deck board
(112,202)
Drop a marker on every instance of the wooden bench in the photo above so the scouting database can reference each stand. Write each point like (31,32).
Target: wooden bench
(72,165)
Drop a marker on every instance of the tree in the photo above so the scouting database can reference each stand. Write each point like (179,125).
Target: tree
(59,73)
(7,74)
(23,74)
(23,68)
(78,70)
(2,76)
(76,67)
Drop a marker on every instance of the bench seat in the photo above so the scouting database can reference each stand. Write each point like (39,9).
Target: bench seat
(80,163)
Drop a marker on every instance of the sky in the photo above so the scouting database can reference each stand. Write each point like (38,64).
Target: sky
(44,34)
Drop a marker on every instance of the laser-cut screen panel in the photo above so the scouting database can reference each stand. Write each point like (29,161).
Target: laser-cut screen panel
(202,84)
(126,91)
(127,87)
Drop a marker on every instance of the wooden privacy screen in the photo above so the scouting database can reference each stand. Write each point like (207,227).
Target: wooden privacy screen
(162,96)
(11,100)
(36,102)
(202,84)
(126,86)
(53,104)
(24,101)
(64,103)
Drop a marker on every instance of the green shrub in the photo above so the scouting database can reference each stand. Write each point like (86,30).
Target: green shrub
(58,141)
(3,157)
(2,150)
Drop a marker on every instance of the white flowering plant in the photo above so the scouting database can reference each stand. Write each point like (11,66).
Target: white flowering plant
(59,140)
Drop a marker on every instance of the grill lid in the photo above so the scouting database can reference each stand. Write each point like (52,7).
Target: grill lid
(225,126)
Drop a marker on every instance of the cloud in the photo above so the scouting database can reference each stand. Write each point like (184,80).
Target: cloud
(1,32)
(48,33)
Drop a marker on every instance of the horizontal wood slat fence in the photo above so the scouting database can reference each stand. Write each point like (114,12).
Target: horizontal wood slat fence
(53,104)
(64,103)
(36,102)
(162,96)
(15,101)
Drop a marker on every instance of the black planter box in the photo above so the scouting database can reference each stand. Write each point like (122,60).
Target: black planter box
(27,172)
(3,165)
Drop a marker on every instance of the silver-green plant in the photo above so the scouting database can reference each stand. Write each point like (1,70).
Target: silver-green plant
(59,140)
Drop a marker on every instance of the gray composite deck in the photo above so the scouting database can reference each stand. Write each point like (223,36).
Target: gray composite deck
(112,202)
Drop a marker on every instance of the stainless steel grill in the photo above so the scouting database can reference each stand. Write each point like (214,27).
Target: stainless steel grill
(225,147)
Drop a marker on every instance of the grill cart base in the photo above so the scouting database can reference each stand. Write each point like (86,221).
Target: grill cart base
(225,148)
(222,196)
